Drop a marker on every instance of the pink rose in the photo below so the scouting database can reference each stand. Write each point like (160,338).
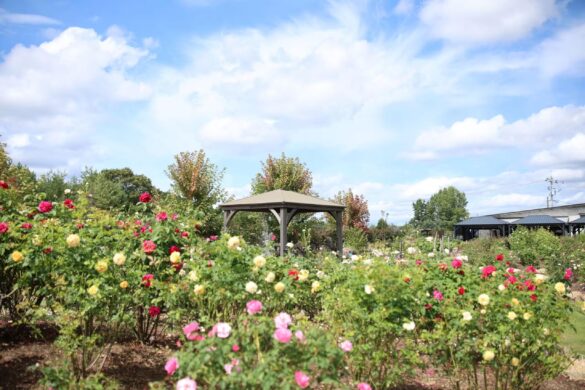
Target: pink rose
(223,330)
(162,216)
(487,271)
(254,307)
(186,384)
(300,336)
(190,329)
(302,379)
(282,320)
(346,346)
(3,227)
(148,246)
(45,206)
(456,263)
(171,365)
(230,366)
(235,348)
(26,226)
(283,335)
(568,274)
(364,386)
(438,295)
(145,197)
(147,280)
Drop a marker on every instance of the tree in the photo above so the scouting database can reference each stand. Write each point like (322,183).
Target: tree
(5,161)
(356,213)
(442,211)
(53,184)
(284,173)
(195,178)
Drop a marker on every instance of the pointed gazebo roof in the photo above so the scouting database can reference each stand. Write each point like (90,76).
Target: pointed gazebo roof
(284,205)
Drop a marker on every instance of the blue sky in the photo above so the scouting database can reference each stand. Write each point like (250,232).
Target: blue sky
(394,99)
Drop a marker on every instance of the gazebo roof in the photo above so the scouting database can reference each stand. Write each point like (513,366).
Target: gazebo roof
(486,220)
(538,220)
(280,198)
(579,220)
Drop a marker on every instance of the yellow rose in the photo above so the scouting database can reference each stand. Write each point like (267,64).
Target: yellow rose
(483,299)
(259,261)
(119,259)
(17,256)
(93,290)
(123,284)
(488,355)
(515,362)
(303,275)
(560,288)
(233,242)
(515,302)
(279,287)
(270,277)
(175,257)
(527,316)
(512,315)
(199,289)
(316,286)
(193,276)
(73,240)
(539,278)
(101,266)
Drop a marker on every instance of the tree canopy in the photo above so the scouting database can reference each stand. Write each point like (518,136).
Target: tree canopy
(283,173)
(442,211)
(356,213)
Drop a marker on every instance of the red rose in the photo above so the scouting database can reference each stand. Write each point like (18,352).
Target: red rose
(148,246)
(147,280)
(162,216)
(512,279)
(145,197)
(174,248)
(177,266)
(293,273)
(529,285)
(154,311)
(45,206)
(461,290)
(80,226)
(500,257)
(4,185)
(26,226)
(568,274)
(418,262)
(47,250)
(406,280)
(533,297)
(531,269)
(3,227)
(487,271)
(69,204)
(185,234)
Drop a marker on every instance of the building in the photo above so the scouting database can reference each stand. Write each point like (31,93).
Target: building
(561,220)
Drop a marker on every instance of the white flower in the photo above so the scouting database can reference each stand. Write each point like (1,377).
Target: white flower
(539,278)
(368,289)
(251,287)
(429,239)
(270,277)
(410,250)
(303,275)
(223,330)
(119,259)
(193,276)
(464,258)
(259,261)
(512,316)
(355,257)
(501,287)
(367,261)
(320,274)
(315,286)
(233,242)
(290,245)
(175,257)
(67,191)
(489,355)
(431,254)
(279,287)
(483,299)
(467,316)
(409,326)
(73,240)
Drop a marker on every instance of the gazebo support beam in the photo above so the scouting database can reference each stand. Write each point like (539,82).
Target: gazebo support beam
(339,226)
(283,229)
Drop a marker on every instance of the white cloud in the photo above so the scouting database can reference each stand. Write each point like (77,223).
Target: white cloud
(404,7)
(568,152)
(426,187)
(512,199)
(486,21)
(240,132)
(560,54)
(54,93)
(7,17)
(473,135)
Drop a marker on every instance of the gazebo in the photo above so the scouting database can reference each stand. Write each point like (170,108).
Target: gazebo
(578,225)
(284,205)
(469,228)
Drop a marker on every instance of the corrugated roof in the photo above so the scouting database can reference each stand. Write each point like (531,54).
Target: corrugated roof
(538,220)
(486,220)
(282,197)
(579,220)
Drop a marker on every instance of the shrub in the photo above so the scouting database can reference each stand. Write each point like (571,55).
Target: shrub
(534,246)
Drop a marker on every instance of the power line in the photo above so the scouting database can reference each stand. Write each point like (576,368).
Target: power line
(552,191)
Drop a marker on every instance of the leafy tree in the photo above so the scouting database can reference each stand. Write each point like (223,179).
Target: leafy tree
(356,213)
(194,177)
(116,188)
(53,184)
(5,161)
(285,173)
(442,211)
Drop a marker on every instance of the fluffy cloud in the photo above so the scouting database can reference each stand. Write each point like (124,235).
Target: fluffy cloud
(570,152)
(53,94)
(485,21)
(571,61)
(474,135)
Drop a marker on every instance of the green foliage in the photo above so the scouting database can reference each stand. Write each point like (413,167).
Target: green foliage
(284,173)
(355,239)
(442,211)
(534,246)
(53,184)
(356,213)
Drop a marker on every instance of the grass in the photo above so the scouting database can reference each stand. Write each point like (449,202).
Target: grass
(575,340)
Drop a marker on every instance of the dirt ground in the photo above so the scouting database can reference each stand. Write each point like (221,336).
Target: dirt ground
(134,365)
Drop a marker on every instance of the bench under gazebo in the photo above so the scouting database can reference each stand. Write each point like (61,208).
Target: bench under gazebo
(284,205)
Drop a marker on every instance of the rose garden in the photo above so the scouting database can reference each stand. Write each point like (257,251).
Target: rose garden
(225,313)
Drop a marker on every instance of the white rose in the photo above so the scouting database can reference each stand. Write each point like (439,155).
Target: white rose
(119,259)
(467,316)
(409,326)
(251,287)
(289,245)
(368,289)
(270,277)
(233,242)
(259,261)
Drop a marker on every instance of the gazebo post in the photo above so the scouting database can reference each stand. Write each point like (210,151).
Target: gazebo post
(283,228)
(339,222)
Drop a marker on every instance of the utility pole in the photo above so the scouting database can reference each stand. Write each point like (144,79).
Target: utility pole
(552,191)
